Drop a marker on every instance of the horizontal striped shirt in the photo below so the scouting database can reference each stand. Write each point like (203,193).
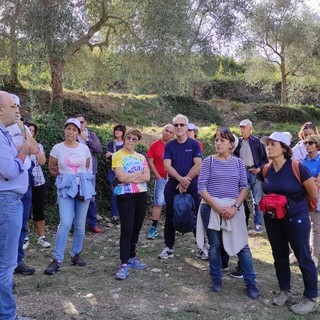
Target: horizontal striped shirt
(222,178)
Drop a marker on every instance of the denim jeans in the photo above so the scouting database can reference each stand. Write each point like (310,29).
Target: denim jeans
(159,186)
(11,209)
(114,208)
(283,232)
(215,242)
(92,210)
(71,210)
(26,201)
(255,187)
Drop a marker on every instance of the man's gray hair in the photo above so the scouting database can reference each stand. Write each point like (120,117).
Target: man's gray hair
(180,116)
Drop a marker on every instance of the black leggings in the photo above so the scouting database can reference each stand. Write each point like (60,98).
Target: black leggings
(38,194)
(132,210)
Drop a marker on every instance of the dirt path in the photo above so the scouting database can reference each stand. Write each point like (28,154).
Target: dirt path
(167,290)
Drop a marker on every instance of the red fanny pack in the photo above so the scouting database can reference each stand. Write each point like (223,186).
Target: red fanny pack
(274,205)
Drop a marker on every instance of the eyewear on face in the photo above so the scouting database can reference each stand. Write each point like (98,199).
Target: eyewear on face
(133,139)
(310,143)
(176,125)
(166,130)
(82,122)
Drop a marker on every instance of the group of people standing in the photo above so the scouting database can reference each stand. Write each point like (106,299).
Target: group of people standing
(218,184)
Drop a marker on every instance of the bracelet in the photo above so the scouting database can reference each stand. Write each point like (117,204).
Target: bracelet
(235,205)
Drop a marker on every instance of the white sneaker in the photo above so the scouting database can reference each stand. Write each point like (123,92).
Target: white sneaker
(166,253)
(315,260)
(26,243)
(203,253)
(305,306)
(44,242)
(292,258)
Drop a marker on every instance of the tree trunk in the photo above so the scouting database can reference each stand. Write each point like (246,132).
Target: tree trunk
(56,66)
(14,81)
(283,100)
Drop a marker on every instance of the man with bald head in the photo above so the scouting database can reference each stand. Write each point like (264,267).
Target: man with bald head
(13,184)
(155,161)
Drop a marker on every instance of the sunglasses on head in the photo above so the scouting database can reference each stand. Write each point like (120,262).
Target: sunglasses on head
(310,143)
(176,125)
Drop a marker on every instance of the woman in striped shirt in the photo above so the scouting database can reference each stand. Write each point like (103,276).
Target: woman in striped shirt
(223,187)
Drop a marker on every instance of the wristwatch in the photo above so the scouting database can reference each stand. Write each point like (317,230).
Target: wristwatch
(235,205)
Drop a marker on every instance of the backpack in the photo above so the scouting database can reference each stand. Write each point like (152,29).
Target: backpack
(184,213)
(312,204)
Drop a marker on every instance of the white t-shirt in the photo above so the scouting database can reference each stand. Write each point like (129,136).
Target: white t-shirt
(18,139)
(71,160)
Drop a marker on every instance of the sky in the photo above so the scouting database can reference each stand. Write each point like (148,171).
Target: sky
(314,4)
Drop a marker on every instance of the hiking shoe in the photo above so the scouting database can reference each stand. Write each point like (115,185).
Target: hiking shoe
(237,273)
(292,258)
(281,299)
(96,229)
(305,306)
(258,228)
(216,285)
(26,243)
(153,233)
(226,269)
(136,264)
(22,268)
(122,272)
(166,253)
(44,242)
(53,267)
(115,219)
(203,253)
(77,261)
(252,291)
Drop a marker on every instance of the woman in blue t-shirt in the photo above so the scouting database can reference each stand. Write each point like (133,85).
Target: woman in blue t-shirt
(312,162)
(294,228)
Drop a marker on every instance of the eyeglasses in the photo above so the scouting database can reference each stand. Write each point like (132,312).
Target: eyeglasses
(166,130)
(82,122)
(133,139)
(310,143)
(176,125)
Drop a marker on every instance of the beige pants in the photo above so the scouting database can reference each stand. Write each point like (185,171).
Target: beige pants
(315,233)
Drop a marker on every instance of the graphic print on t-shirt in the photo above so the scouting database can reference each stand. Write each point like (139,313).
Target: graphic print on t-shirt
(74,161)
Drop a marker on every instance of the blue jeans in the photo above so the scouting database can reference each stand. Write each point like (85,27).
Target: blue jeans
(92,210)
(159,186)
(11,209)
(283,232)
(26,201)
(255,187)
(71,210)
(215,242)
(114,207)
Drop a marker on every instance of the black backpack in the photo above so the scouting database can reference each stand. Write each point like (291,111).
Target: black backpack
(184,217)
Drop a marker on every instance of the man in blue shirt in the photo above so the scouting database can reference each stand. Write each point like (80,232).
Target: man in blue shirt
(13,184)
(182,160)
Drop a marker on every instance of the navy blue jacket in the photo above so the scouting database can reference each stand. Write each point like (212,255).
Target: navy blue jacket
(258,151)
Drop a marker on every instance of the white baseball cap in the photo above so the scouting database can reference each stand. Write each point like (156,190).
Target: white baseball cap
(16,99)
(245,122)
(73,121)
(284,137)
(191,126)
